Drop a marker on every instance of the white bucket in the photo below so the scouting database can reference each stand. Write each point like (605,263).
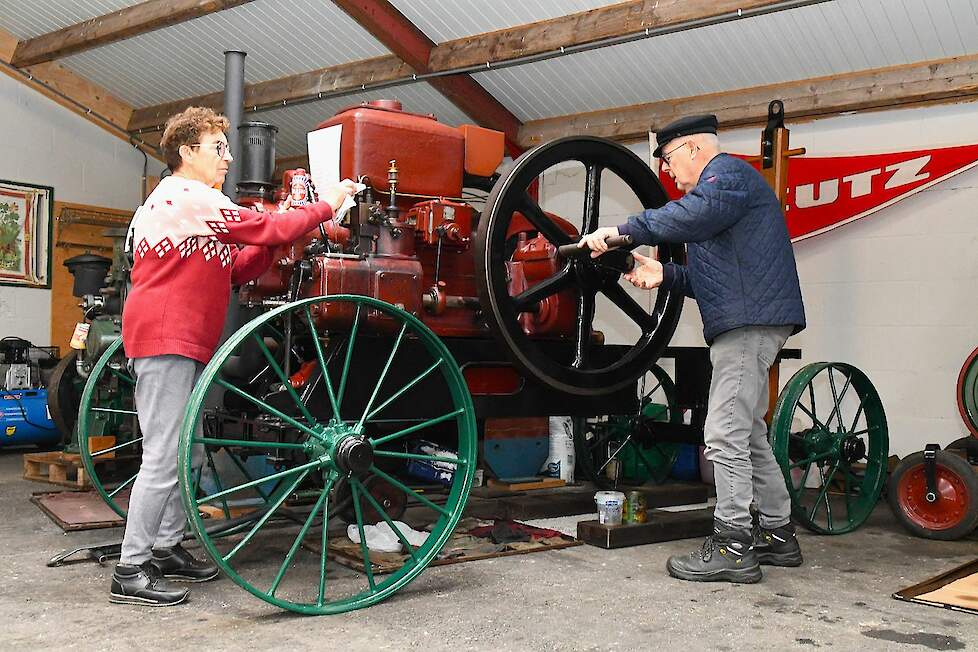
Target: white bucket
(610,507)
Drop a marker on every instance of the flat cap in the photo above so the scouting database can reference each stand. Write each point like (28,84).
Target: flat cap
(693,124)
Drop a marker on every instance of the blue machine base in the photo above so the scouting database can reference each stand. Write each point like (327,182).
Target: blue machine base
(25,420)
(515,459)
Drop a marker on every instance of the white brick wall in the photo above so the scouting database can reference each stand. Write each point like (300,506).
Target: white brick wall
(45,143)
(894,293)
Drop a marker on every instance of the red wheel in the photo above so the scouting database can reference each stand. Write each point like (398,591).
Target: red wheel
(954,513)
(967,393)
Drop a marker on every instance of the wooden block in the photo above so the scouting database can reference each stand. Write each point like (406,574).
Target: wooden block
(661,526)
(96,444)
(542,483)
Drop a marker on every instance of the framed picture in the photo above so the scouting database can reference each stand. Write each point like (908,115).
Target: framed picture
(26,211)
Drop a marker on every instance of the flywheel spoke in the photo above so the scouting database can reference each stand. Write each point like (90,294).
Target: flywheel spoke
(647,322)
(592,197)
(544,225)
(527,300)
(585,321)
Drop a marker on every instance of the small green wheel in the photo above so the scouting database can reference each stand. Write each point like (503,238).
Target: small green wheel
(830,437)
(360,415)
(107,423)
(623,450)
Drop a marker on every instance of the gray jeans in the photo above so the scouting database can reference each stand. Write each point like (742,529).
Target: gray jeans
(735,433)
(156,518)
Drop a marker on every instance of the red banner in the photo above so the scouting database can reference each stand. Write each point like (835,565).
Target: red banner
(826,192)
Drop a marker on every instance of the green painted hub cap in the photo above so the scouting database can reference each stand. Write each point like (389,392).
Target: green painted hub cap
(324,450)
(830,438)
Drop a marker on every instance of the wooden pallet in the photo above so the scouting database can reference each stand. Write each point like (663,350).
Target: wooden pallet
(59,468)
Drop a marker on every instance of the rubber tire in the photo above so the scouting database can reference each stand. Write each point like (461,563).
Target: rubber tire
(955,465)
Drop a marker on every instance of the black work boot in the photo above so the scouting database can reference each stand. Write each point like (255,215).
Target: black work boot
(726,556)
(778,546)
(144,585)
(177,564)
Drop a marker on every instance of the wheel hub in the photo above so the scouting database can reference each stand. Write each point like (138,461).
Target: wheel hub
(853,449)
(354,455)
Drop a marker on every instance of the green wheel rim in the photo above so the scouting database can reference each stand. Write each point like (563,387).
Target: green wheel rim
(636,462)
(968,393)
(830,438)
(108,407)
(316,454)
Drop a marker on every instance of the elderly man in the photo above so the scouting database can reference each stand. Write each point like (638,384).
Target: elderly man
(741,271)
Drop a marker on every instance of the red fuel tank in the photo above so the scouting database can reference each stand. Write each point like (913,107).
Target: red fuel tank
(430,156)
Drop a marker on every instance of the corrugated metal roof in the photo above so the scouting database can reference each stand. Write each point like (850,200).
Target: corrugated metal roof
(824,39)
(445,21)
(282,37)
(29,19)
(295,122)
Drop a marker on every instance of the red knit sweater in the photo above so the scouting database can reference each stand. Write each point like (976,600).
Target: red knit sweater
(184,241)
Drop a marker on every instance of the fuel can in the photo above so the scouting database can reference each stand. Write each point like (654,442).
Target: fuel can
(635,507)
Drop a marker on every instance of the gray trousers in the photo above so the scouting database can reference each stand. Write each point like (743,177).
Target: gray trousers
(735,433)
(156,518)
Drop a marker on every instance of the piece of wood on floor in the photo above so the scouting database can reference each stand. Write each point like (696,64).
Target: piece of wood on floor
(59,468)
(527,485)
(661,526)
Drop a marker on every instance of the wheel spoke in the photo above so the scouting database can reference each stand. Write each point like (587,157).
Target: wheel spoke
(324,545)
(414,456)
(299,537)
(244,471)
(286,383)
(415,428)
(811,415)
(121,376)
(837,408)
(585,320)
(322,364)
(349,356)
(114,411)
(823,494)
(627,303)
(116,447)
(544,225)
(400,392)
(217,481)
(304,468)
(812,459)
(123,485)
(592,197)
(409,491)
(383,514)
(612,456)
(859,412)
(383,376)
(247,443)
(267,515)
(527,300)
(268,408)
(364,550)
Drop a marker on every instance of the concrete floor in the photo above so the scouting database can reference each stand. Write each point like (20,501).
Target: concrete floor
(582,598)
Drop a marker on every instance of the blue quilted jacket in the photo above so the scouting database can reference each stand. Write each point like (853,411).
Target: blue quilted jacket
(740,265)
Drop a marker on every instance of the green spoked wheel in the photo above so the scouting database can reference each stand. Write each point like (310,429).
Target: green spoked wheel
(623,450)
(830,437)
(345,429)
(968,392)
(108,430)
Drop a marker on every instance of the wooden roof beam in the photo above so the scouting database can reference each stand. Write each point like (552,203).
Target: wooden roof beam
(116,26)
(941,80)
(410,44)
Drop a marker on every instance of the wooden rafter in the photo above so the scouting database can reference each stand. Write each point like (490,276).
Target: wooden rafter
(116,26)
(74,92)
(498,46)
(942,80)
(411,45)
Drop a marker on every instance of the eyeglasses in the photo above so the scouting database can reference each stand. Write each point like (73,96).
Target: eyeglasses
(220,146)
(667,156)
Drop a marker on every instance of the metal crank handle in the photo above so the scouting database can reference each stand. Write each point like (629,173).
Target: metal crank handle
(573,251)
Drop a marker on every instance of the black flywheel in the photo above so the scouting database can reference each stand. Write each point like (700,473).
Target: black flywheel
(574,360)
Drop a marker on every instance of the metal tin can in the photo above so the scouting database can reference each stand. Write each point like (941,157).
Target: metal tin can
(635,509)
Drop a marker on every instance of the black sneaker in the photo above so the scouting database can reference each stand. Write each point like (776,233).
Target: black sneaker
(777,547)
(177,564)
(144,585)
(726,556)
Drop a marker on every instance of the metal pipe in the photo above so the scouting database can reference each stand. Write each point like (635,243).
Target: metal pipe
(234,61)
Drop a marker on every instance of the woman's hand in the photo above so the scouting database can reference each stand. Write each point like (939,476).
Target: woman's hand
(647,273)
(336,194)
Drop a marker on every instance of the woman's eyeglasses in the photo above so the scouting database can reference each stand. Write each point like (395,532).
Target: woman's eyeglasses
(221,147)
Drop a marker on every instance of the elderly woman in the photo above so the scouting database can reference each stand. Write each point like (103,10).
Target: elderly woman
(185,259)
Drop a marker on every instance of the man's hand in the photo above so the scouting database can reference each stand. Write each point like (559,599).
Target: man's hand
(647,273)
(596,240)
(336,194)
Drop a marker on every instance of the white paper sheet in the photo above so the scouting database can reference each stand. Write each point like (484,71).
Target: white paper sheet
(324,155)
